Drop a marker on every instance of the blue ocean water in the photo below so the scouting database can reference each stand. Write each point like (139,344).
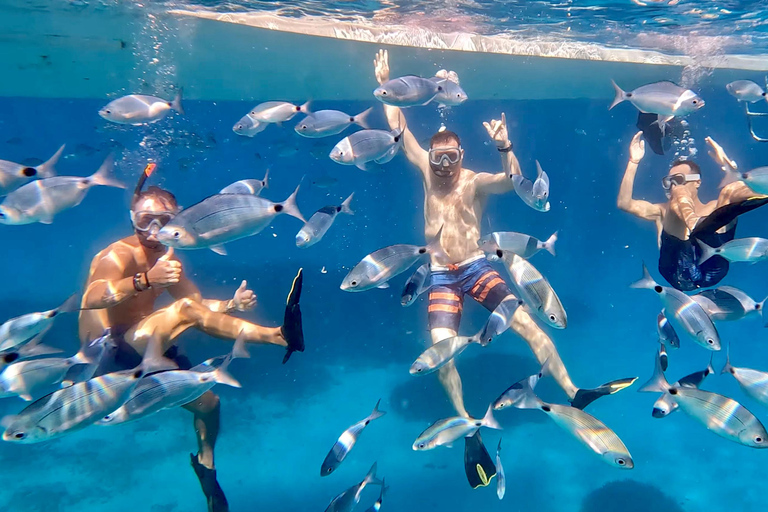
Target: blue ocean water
(277,429)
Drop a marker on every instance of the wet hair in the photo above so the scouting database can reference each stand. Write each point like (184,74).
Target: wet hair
(158,194)
(443,137)
(693,166)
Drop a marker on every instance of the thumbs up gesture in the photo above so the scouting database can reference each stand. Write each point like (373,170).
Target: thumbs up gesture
(166,272)
(244,298)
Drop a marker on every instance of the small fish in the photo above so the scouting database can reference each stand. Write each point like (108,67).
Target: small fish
(41,200)
(277,111)
(365,146)
(750,250)
(248,126)
(593,433)
(13,175)
(746,90)
(451,95)
(80,405)
(417,284)
(666,332)
(253,187)
(223,218)
(534,194)
(377,504)
(324,181)
(722,415)
(16,332)
(318,225)
(380,266)
(756,179)
(534,289)
(137,109)
(347,500)
(663,356)
(666,404)
(521,244)
(501,480)
(329,122)
(438,354)
(347,441)
(663,98)
(445,432)
(727,303)
(408,91)
(753,382)
(685,311)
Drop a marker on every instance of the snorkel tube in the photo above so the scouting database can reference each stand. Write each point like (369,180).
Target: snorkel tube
(148,170)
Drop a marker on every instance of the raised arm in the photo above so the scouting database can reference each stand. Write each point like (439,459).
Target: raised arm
(243,300)
(636,207)
(396,120)
(499,183)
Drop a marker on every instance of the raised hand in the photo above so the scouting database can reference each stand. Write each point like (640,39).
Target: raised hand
(244,298)
(718,155)
(497,131)
(637,148)
(381,66)
(166,272)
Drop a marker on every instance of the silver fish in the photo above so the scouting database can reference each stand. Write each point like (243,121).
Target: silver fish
(451,94)
(408,91)
(138,109)
(746,90)
(417,284)
(667,334)
(722,415)
(276,111)
(727,303)
(534,289)
(685,312)
(74,408)
(347,500)
(501,480)
(521,244)
(593,433)
(318,225)
(365,146)
(247,186)
(534,194)
(43,199)
(15,332)
(223,218)
(329,122)
(346,442)
(753,382)
(438,354)
(446,431)
(377,504)
(741,249)
(663,98)
(666,404)
(380,266)
(248,126)
(13,175)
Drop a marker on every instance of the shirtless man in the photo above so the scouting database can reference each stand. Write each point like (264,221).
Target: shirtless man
(125,280)
(684,219)
(454,199)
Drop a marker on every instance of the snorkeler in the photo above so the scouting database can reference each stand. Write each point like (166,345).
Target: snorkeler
(124,281)
(454,200)
(684,219)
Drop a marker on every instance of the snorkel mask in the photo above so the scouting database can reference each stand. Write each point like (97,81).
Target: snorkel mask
(667,182)
(444,161)
(148,221)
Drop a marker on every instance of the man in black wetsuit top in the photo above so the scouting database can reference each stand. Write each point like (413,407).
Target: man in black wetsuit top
(684,219)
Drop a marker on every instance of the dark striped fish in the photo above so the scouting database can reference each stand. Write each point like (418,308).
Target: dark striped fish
(666,404)
(347,441)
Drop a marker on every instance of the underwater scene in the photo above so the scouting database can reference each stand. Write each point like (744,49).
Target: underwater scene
(360,255)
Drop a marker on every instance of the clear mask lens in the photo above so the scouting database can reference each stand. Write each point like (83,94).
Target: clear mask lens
(150,222)
(444,157)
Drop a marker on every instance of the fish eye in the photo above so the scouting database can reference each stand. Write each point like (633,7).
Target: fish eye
(176,235)
(19,435)
(303,127)
(353,283)
(383,93)
(758,439)
(421,445)
(501,405)
(710,342)
(695,102)
(621,462)
(418,370)
(552,318)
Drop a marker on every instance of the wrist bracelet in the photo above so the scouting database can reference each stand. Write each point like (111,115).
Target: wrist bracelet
(146,278)
(137,283)
(506,149)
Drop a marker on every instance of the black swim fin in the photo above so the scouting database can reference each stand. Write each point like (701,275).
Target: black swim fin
(477,462)
(292,329)
(584,397)
(648,124)
(725,215)
(217,502)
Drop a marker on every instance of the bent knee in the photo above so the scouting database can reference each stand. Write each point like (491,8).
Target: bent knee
(206,403)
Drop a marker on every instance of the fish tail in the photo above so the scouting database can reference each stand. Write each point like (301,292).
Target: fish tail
(539,170)
(658,383)
(549,245)
(291,207)
(345,208)
(70,305)
(221,376)
(48,168)
(103,175)
(434,246)
(727,368)
(759,307)
(376,412)
(489,421)
(176,102)
(706,251)
(361,119)
(265,181)
(153,360)
(731,176)
(619,95)
(239,351)
(646,281)
(370,478)
(305,107)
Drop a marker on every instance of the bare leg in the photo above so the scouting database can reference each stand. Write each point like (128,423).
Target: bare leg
(206,410)
(735,193)
(449,375)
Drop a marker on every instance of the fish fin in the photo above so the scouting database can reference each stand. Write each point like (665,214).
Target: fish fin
(371,476)
(706,251)
(760,306)
(70,305)
(434,247)
(658,383)
(361,119)
(730,177)
(48,168)
(239,350)
(366,166)
(153,360)
(219,249)
(291,208)
(619,95)
(265,181)
(221,376)
(727,368)
(646,281)
(489,421)
(305,107)
(584,397)
(46,219)
(26,397)
(102,175)
(383,286)
(709,370)
(549,245)
(345,208)
(539,170)
(176,102)
(376,412)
